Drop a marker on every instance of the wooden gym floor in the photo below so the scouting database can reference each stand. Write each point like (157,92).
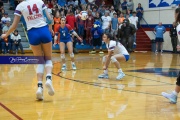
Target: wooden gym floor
(80,95)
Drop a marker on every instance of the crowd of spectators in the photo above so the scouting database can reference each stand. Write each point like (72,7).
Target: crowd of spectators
(12,42)
(111,16)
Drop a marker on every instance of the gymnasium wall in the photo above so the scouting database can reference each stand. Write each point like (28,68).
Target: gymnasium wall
(155,15)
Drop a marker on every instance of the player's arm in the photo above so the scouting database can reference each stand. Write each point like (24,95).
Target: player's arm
(73,32)
(110,53)
(13,26)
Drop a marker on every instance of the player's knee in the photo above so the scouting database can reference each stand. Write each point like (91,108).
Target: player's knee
(113,59)
(71,55)
(62,56)
(40,68)
(48,63)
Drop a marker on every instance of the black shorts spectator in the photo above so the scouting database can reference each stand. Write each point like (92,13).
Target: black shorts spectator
(97,42)
(159,40)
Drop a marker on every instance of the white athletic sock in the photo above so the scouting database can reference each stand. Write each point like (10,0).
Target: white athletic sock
(72,63)
(40,82)
(175,93)
(106,71)
(120,70)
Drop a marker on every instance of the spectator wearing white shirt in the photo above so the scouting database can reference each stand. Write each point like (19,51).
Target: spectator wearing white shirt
(134,20)
(6,27)
(5,19)
(130,5)
(106,22)
(16,42)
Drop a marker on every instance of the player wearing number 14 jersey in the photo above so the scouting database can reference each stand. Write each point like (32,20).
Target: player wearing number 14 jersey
(37,19)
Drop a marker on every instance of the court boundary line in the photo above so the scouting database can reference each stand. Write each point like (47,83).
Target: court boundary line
(10,111)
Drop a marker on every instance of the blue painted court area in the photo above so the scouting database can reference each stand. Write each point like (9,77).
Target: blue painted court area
(168,72)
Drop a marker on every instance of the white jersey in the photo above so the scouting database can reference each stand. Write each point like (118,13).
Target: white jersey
(32,10)
(15,38)
(117,48)
(178,31)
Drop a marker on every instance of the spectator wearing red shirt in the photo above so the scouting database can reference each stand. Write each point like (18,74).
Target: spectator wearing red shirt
(71,20)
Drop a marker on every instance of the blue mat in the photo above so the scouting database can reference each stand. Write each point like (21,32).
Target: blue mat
(82,47)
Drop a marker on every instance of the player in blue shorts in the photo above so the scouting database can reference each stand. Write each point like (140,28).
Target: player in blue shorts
(65,31)
(116,53)
(37,19)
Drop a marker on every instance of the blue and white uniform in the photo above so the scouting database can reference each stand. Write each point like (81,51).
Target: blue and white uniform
(117,48)
(65,33)
(38,31)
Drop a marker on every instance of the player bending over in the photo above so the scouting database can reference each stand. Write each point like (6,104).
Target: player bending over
(116,54)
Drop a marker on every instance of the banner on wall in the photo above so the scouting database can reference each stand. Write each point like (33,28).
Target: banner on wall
(162,3)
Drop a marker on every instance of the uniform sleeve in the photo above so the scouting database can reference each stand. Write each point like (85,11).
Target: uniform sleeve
(43,5)
(112,45)
(69,27)
(18,10)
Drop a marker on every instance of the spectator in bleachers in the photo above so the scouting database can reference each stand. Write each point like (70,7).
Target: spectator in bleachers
(88,25)
(139,11)
(71,20)
(6,27)
(98,18)
(130,6)
(71,2)
(94,11)
(102,11)
(50,4)
(112,11)
(5,19)
(160,30)
(121,18)
(6,45)
(124,7)
(80,26)
(83,2)
(106,22)
(116,4)
(173,35)
(134,20)
(129,13)
(16,42)
(62,3)
(114,25)
(57,21)
(1,4)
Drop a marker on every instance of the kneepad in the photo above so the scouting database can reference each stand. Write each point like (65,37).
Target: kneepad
(48,63)
(113,59)
(104,59)
(71,55)
(40,68)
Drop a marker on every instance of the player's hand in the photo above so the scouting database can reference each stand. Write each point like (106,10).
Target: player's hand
(3,36)
(80,39)
(178,48)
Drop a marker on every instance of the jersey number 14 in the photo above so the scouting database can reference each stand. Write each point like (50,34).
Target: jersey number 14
(33,9)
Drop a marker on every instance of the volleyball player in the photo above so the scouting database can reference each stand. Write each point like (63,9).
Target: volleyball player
(116,53)
(173,95)
(65,31)
(37,19)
